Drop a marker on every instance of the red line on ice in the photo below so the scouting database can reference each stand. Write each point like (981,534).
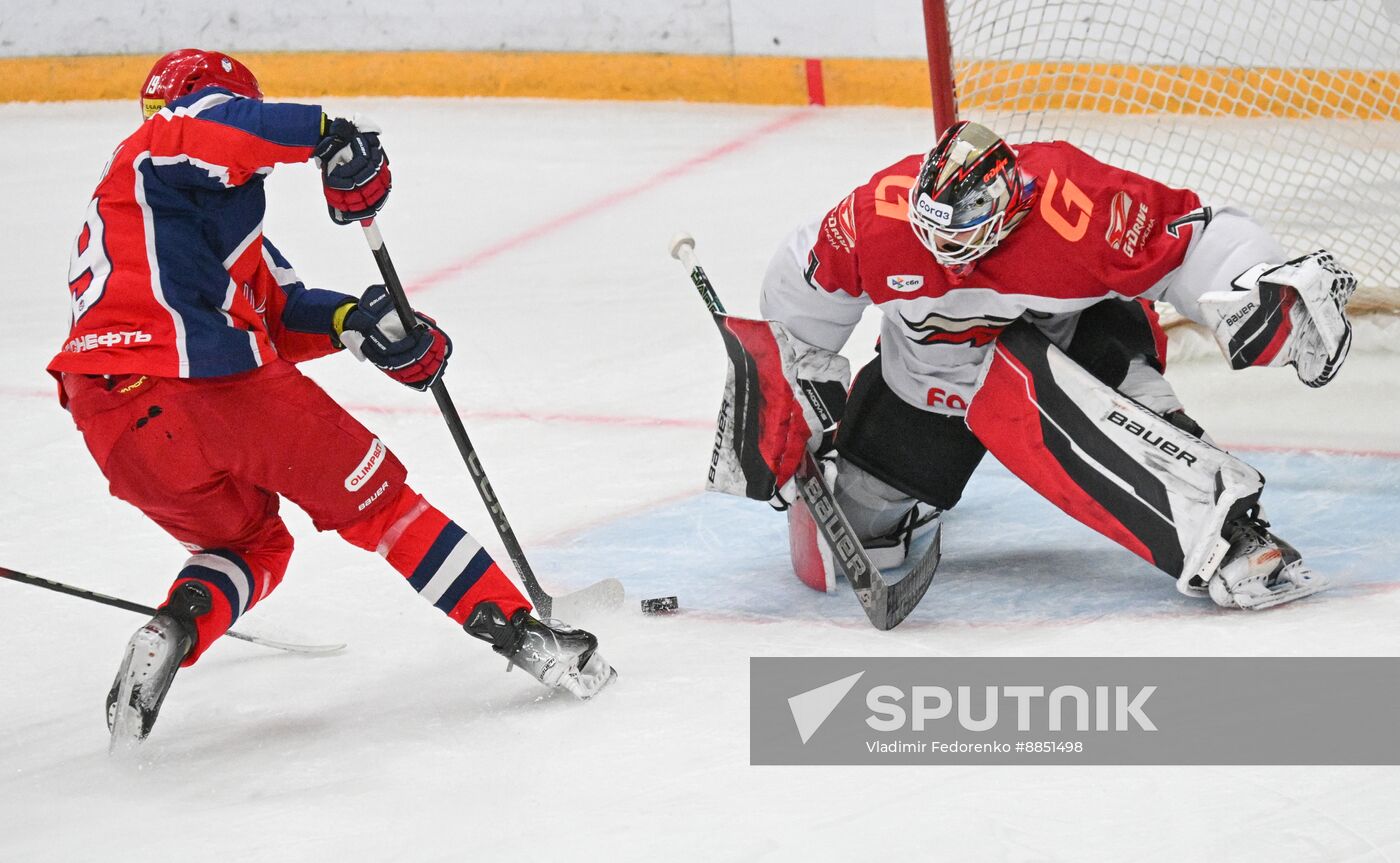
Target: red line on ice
(597,205)
(624,421)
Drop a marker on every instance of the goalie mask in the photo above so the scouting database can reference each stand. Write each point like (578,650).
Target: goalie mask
(968,195)
(187,70)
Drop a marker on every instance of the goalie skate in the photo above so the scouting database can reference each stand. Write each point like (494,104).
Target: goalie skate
(1260,570)
(152,657)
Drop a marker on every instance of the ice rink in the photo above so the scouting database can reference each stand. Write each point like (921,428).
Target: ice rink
(589,374)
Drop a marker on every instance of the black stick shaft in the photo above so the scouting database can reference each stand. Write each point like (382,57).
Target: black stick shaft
(127,605)
(543,602)
(59,587)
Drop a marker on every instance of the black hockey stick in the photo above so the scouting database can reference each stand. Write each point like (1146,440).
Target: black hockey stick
(126,605)
(885,603)
(607,593)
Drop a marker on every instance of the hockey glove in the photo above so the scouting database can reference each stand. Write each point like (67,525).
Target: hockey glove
(782,398)
(371,330)
(354,169)
(1287,314)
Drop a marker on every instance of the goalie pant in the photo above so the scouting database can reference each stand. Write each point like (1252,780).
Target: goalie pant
(208,460)
(1107,461)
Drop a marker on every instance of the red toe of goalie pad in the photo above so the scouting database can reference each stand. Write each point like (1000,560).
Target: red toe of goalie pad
(1036,413)
(811,556)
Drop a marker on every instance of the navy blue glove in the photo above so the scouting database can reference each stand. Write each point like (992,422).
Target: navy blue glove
(354,170)
(371,330)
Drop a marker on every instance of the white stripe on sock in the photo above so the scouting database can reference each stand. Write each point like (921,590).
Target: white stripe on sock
(240,580)
(452,567)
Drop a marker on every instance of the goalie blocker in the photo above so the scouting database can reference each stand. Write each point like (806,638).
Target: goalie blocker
(782,397)
(1107,461)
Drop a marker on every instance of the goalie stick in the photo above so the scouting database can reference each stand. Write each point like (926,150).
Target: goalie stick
(126,605)
(885,603)
(607,593)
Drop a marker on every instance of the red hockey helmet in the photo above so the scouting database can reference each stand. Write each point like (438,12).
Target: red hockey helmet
(182,72)
(968,196)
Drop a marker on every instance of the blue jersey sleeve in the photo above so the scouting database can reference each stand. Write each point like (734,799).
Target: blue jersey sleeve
(307,310)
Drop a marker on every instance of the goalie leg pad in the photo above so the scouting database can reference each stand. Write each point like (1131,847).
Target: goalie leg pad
(885,521)
(1105,460)
(812,560)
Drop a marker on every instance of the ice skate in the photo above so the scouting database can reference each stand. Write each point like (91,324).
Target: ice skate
(552,652)
(1260,570)
(148,668)
(152,657)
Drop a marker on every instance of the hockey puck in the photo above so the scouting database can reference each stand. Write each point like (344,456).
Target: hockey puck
(660,605)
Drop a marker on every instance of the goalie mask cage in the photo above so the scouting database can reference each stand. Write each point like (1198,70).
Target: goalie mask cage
(1287,109)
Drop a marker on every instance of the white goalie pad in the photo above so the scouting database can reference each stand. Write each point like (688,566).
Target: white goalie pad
(1106,460)
(1287,314)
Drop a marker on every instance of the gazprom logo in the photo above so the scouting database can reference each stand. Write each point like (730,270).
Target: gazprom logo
(939,214)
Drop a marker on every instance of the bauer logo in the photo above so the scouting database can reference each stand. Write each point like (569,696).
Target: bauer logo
(939,214)
(1067,710)
(367,466)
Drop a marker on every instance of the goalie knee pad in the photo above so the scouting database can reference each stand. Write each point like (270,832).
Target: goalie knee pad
(1286,314)
(927,456)
(1105,460)
(1111,335)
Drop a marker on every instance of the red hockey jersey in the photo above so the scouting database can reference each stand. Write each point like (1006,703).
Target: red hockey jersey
(1094,232)
(170,274)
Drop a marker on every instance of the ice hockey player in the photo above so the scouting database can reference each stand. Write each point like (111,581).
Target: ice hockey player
(179,371)
(1016,285)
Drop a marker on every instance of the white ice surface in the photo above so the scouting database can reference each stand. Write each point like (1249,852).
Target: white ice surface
(588,374)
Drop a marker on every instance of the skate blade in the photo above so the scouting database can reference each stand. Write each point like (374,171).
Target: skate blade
(595,676)
(1295,582)
(125,720)
(145,675)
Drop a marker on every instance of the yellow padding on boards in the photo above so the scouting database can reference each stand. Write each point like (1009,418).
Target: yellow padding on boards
(758,80)
(986,85)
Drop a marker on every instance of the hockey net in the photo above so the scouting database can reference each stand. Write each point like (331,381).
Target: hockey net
(1287,109)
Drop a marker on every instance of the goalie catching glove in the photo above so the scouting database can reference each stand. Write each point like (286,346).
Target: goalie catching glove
(1287,314)
(782,398)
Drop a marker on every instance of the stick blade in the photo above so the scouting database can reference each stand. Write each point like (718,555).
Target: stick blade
(304,649)
(891,603)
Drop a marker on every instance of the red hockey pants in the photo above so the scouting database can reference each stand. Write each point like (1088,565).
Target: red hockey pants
(208,459)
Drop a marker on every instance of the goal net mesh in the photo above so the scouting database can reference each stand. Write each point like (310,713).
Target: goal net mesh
(1287,109)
